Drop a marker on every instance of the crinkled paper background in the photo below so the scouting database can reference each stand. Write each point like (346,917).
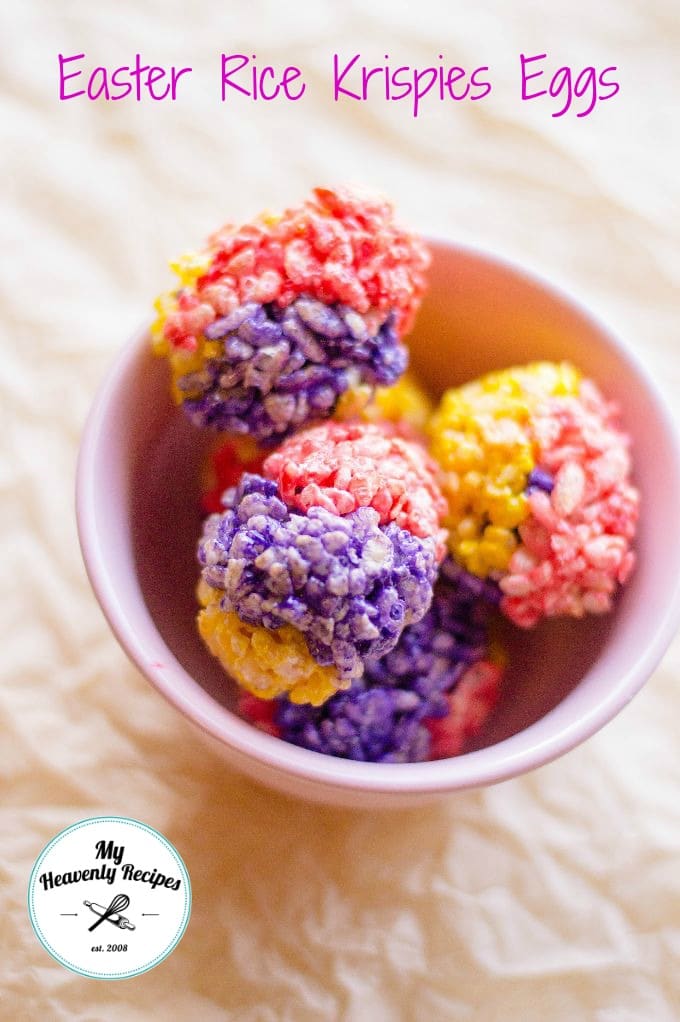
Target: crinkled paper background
(551,897)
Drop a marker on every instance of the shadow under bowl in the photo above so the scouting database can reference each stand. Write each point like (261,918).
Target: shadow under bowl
(139,519)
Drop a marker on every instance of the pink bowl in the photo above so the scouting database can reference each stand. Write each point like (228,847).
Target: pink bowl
(138,520)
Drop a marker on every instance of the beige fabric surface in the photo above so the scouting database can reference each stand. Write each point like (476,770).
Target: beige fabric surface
(552,897)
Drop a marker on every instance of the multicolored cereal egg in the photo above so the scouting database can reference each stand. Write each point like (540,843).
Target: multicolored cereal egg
(537,475)
(275,320)
(318,564)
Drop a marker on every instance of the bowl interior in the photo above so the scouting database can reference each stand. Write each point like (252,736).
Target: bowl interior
(566,677)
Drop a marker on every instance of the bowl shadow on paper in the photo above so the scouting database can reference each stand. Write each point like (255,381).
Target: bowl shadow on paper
(544,665)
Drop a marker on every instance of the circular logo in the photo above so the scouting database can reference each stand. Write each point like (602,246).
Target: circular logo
(109,897)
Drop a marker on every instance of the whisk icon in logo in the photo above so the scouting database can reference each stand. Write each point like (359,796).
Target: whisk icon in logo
(117,862)
(112,913)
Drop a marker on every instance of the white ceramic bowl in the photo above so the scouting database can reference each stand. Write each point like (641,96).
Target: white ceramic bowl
(138,519)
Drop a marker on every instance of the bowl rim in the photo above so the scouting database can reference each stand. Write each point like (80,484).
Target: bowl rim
(249,746)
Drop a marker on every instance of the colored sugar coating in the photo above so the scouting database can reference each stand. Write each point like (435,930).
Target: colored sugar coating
(274,321)
(404,404)
(227,460)
(266,371)
(390,714)
(337,247)
(346,466)
(538,482)
(349,585)
(469,706)
(574,546)
(481,438)
(263,661)
(378,724)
